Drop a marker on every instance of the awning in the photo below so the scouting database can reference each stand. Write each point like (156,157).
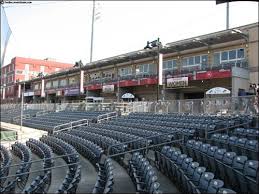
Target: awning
(218,90)
(128,95)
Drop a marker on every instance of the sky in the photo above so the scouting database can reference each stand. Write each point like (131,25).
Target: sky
(62,30)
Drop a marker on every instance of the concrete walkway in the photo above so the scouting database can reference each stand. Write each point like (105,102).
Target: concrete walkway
(58,174)
(88,176)
(122,181)
(34,167)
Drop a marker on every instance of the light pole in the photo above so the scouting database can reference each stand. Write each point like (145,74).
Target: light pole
(92,33)
(22,101)
(156,43)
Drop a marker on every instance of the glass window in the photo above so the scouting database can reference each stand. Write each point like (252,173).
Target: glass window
(169,64)
(184,62)
(145,70)
(191,60)
(63,82)
(152,68)
(216,58)
(232,54)
(55,83)
(224,56)
(165,65)
(204,59)
(197,60)
(240,53)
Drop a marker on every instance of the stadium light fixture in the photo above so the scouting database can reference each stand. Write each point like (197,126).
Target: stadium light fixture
(155,44)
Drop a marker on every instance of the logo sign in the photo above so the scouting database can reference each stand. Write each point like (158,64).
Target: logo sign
(177,82)
(108,88)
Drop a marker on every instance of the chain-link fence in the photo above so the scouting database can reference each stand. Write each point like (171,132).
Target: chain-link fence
(223,105)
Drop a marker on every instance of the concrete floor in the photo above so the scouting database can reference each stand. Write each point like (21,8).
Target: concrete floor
(122,181)
(34,166)
(88,177)
(58,174)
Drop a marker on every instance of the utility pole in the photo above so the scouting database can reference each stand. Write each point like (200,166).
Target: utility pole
(227,16)
(92,33)
(22,102)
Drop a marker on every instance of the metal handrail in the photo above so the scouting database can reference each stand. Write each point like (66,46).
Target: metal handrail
(107,116)
(71,126)
(26,116)
(30,172)
(223,129)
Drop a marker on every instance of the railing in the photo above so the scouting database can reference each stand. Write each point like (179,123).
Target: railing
(70,125)
(106,117)
(40,113)
(18,118)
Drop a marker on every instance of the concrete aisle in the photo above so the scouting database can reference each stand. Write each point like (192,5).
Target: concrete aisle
(34,166)
(58,174)
(122,181)
(88,177)
(13,169)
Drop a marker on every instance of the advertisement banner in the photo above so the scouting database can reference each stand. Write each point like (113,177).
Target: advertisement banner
(108,88)
(177,82)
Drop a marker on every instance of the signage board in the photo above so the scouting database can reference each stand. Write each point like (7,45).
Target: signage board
(177,82)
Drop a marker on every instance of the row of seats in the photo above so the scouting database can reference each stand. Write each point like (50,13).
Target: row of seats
(8,115)
(242,146)
(236,171)
(155,137)
(138,124)
(102,141)
(42,182)
(6,160)
(189,175)
(48,121)
(70,155)
(24,153)
(143,174)
(105,179)
(248,133)
(119,136)
(86,148)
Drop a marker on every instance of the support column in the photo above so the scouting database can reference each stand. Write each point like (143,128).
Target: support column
(19,91)
(81,82)
(3,93)
(42,89)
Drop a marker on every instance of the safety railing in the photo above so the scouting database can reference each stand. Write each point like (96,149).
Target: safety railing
(18,118)
(227,129)
(41,113)
(40,170)
(70,125)
(106,117)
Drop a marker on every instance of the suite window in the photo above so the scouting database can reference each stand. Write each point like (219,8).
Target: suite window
(232,54)
(63,82)
(204,59)
(224,56)
(125,71)
(36,87)
(48,84)
(240,53)
(191,61)
(171,64)
(55,83)
(197,60)
(146,68)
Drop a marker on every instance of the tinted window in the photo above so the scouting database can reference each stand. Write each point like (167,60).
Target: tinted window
(184,61)
(204,58)
(191,61)
(240,53)
(224,56)
(197,60)
(169,64)
(232,54)
(216,58)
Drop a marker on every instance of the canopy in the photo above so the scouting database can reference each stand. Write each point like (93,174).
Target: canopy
(128,95)
(218,90)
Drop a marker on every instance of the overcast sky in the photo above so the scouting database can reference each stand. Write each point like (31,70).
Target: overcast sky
(62,30)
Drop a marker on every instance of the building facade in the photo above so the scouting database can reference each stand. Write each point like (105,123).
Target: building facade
(192,66)
(25,69)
